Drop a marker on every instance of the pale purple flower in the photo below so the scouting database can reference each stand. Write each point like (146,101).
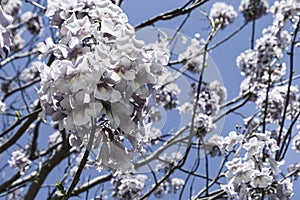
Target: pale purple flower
(218,92)
(261,178)
(253,147)
(285,189)
(231,140)
(203,124)
(222,14)
(167,96)
(151,135)
(233,166)
(247,62)
(101,72)
(30,73)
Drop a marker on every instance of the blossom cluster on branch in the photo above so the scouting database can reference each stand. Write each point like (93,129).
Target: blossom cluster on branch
(101,72)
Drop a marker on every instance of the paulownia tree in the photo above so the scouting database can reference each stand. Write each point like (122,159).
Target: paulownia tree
(91,110)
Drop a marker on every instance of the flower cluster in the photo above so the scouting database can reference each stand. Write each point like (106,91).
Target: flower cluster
(284,10)
(169,186)
(127,186)
(277,98)
(5,21)
(19,161)
(260,66)
(192,57)
(222,15)
(211,96)
(31,72)
(168,160)
(253,9)
(217,145)
(296,143)
(256,169)
(101,72)
(166,96)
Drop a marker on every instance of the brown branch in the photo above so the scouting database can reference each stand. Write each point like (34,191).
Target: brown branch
(47,167)
(171,14)
(4,186)
(32,117)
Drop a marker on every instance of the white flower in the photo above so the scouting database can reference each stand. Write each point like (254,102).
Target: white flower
(231,140)
(20,161)
(192,57)
(177,184)
(2,107)
(261,178)
(5,21)
(222,14)
(253,147)
(127,185)
(233,166)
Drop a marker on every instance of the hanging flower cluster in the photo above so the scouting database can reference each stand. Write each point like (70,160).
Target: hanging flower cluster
(211,96)
(254,169)
(260,65)
(262,68)
(102,72)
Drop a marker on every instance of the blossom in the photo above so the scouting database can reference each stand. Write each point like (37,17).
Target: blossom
(222,14)
(177,183)
(12,7)
(253,147)
(2,107)
(20,161)
(167,96)
(261,178)
(127,186)
(192,57)
(231,140)
(203,123)
(296,143)
(31,72)
(253,9)
(151,135)
(214,145)
(5,21)
(33,22)
(276,102)
(102,72)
